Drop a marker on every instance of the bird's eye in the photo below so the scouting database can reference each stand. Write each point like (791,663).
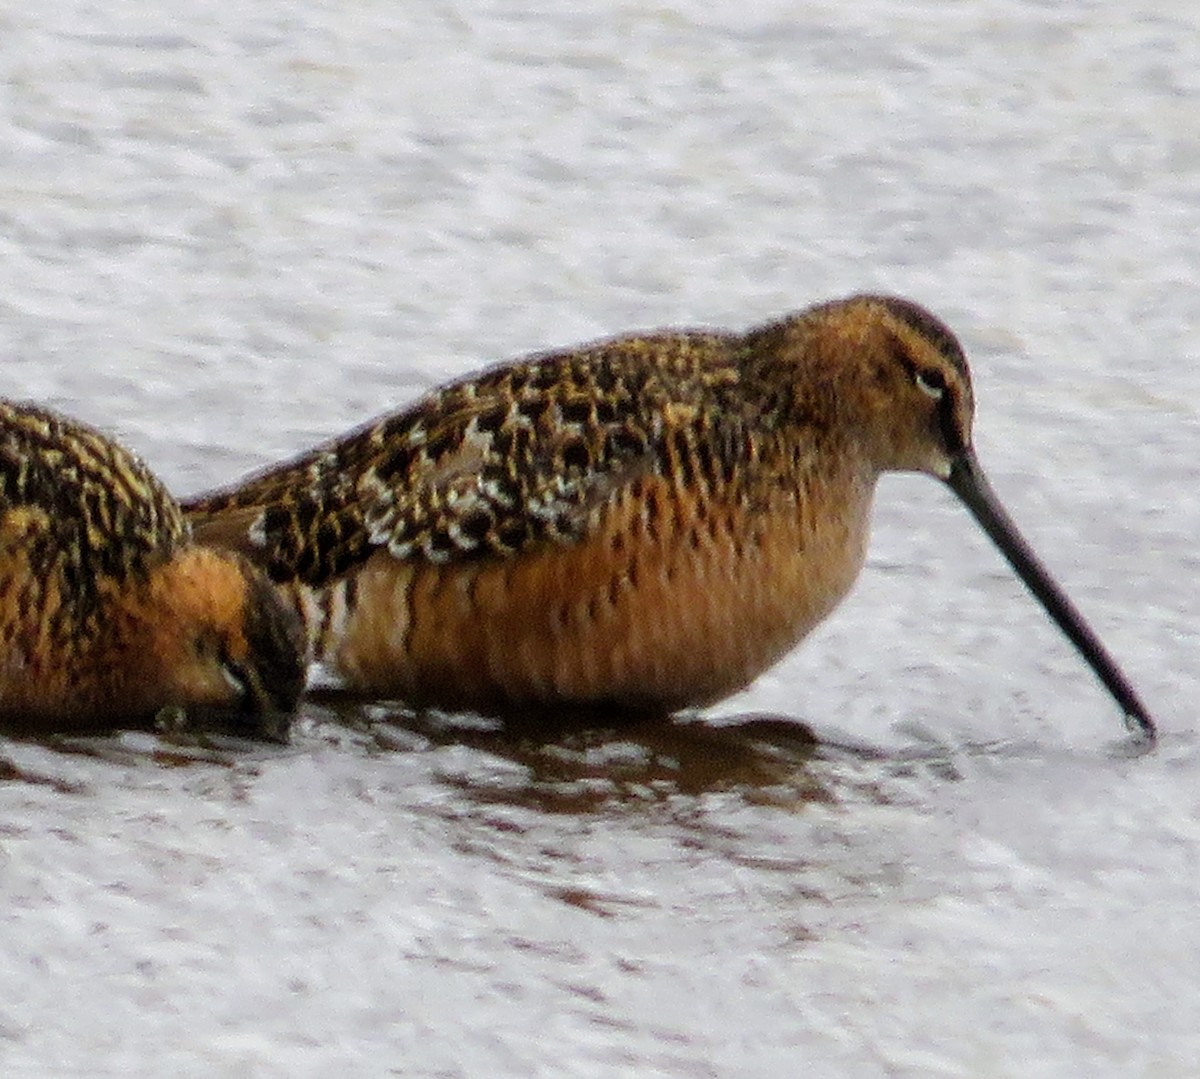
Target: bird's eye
(931,382)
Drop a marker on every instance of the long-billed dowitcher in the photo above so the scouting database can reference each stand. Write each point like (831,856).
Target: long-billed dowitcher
(108,611)
(647,522)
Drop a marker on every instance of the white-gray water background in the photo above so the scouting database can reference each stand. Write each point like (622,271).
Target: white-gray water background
(228,231)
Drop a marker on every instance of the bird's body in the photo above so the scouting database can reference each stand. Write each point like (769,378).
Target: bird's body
(108,611)
(648,522)
(654,610)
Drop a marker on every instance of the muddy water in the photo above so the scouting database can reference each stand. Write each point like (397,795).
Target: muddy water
(225,235)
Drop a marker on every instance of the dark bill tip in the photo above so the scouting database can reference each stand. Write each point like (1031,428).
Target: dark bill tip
(267,708)
(968,481)
(237,722)
(275,671)
(267,726)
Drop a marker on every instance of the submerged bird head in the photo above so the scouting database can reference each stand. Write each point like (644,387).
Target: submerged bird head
(224,639)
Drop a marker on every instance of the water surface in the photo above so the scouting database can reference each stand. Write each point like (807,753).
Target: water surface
(224,235)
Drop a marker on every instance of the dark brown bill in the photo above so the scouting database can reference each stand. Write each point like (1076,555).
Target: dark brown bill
(967,480)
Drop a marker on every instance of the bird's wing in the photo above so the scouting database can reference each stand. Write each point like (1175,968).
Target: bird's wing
(73,498)
(485,467)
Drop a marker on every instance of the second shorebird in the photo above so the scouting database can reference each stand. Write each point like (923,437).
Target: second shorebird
(646,523)
(109,614)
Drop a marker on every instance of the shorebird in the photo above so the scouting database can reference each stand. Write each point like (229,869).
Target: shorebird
(645,523)
(108,612)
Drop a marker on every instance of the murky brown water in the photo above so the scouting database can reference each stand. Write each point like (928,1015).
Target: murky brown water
(223,236)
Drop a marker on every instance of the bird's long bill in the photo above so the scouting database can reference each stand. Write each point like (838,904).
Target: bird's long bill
(967,480)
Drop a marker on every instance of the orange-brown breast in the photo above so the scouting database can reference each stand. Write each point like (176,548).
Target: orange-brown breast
(668,602)
(61,657)
(36,655)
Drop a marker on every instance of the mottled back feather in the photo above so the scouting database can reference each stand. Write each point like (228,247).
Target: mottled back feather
(74,503)
(492,464)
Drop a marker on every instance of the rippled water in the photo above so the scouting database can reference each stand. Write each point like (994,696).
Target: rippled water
(224,235)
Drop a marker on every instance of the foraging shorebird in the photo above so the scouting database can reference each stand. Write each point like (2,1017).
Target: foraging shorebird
(645,523)
(108,612)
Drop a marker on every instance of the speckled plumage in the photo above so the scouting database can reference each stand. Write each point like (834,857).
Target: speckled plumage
(492,465)
(79,507)
(646,522)
(108,611)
